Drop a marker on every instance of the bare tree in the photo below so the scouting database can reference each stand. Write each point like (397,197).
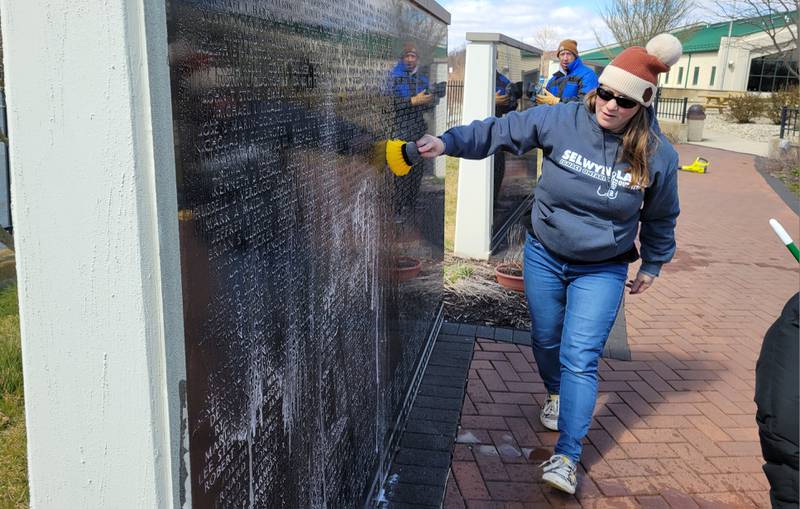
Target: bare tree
(456,61)
(634,22)
(778,19)
(545,38)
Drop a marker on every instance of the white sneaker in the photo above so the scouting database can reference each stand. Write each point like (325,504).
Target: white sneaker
(549,414)
(559,472)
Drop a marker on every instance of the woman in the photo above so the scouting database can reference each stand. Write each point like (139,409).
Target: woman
(607,173)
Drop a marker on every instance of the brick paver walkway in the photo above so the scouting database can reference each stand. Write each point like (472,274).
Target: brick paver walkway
(675,426)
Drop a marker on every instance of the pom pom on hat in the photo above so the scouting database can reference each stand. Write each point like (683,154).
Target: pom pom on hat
(665,47)
(634,72)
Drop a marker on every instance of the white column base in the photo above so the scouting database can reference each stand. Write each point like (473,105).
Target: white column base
(473,233)
(95,216)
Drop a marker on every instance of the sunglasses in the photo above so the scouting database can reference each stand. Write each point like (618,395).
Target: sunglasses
(622,102)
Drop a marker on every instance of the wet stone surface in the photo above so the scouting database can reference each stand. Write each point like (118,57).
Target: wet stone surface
(427,443)
(301,337)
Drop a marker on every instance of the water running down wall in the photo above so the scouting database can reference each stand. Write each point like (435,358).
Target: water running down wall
(302,329)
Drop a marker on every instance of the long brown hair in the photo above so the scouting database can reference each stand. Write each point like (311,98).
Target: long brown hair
(638,144)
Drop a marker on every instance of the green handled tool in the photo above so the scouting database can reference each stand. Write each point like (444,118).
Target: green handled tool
(785,238)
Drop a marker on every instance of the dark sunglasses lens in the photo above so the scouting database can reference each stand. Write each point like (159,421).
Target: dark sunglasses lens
(624,102)
(605,94)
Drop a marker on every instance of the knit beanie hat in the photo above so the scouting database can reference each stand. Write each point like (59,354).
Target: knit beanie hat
(569,45)
(409,48)
(634,72)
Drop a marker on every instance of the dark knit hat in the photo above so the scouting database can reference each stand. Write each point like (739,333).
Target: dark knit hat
(409,48)
(570,45)
(634,72)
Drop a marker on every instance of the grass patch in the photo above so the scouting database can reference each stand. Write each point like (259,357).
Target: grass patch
(450,198)
(456,271)
(13,459)
(786,169)
(792,181)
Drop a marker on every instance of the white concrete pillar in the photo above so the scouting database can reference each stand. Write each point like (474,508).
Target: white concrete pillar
(475,178)
(439,74)
(93,189)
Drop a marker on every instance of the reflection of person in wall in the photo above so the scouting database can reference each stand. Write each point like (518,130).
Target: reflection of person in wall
(608,174)
(411,98)
(572,81)
(504,102)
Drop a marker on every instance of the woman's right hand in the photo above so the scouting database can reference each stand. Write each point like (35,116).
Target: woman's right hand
(430,146)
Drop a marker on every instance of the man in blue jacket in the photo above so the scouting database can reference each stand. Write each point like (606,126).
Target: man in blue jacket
(573,81)
(411,98)
(503,101)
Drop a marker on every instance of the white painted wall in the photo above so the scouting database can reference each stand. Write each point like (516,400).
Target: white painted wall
(734,57)
(93,187)
(737,68)
(475,178)
(704,62)
(553,67)
(742,52)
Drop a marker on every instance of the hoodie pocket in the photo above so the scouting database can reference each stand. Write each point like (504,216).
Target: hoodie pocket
(577,238)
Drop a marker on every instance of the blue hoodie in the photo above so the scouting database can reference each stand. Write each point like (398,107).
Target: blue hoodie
(585,209)
(578,81)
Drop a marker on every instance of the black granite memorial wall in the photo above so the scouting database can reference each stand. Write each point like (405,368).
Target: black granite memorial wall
(514,176)
(311,275)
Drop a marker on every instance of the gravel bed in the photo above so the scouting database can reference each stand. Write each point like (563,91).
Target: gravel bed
(761,130)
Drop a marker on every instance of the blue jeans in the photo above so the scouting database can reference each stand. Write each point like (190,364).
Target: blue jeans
(572,310)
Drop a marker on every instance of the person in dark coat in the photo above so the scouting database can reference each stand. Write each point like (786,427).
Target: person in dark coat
(778,402)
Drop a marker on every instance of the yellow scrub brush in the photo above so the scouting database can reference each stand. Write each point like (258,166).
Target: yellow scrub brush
(700,165)
(401,156)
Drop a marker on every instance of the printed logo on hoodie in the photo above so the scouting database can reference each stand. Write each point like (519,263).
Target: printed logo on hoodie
(612,177)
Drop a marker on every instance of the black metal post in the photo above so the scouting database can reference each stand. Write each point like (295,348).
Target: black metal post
(792,125)
(683,114)
(784,111)
(655,103)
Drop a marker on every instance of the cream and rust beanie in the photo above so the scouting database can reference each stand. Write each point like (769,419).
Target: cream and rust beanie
(634,72)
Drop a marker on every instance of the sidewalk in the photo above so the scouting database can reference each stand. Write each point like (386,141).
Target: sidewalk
(728,141)
(674,427)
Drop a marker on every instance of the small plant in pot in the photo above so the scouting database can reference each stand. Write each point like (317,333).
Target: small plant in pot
(509,273)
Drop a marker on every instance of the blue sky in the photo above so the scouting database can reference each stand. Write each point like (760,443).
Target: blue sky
(521,19)
(574,19)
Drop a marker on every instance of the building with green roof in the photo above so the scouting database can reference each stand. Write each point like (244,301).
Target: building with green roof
(747,60)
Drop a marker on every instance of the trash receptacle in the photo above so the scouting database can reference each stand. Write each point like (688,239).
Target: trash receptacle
(695,117)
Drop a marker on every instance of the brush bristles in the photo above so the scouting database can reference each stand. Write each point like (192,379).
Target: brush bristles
(395,158)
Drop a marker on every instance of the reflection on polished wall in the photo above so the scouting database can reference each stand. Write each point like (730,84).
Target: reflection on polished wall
(311,275)
(514,176)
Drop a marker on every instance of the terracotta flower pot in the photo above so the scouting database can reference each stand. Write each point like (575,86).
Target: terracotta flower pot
(509,275)
(406,268)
